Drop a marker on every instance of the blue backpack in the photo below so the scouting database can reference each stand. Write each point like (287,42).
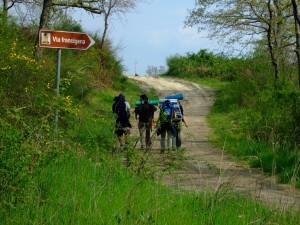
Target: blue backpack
(165,113)
(172,112)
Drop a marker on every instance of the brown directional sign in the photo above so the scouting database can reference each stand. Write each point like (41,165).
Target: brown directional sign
(65,39)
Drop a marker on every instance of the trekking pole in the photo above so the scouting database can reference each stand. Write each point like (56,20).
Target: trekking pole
(155,131)
(152,136)
(137,140)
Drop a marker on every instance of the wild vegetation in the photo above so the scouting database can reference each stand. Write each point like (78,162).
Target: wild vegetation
(258,112)
(71,177)
(28,104)
(273,23)
(74,178)
(254,119)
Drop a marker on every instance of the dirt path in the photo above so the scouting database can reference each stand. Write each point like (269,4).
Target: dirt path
(204,167)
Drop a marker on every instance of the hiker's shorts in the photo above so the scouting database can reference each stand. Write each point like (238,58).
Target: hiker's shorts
(122,130)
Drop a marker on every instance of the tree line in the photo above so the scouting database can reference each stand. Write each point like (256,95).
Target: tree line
(275,23)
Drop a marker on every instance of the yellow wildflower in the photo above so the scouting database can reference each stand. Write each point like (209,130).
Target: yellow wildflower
(68,101)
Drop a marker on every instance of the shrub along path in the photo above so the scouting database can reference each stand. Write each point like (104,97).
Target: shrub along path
(204,167)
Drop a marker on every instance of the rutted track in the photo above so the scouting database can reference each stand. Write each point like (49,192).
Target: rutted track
(205,167)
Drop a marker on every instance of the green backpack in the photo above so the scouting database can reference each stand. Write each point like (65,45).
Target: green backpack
(164,115)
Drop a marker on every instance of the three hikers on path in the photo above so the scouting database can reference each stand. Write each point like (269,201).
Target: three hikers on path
(168,126)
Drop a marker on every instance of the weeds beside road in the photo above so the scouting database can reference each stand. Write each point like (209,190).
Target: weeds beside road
(91,186)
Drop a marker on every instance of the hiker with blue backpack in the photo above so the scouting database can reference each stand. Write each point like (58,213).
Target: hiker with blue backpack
(170,121)
(166,127)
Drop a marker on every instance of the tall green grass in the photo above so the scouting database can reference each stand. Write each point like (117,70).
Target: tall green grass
(28,104)
(76,190)
(89,185)
(260,125)
(259,122)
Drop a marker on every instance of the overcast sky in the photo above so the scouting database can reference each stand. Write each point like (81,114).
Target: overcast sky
(152,32)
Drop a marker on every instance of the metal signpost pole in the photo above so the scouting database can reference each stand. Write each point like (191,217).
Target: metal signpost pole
(63,40)
(57,81)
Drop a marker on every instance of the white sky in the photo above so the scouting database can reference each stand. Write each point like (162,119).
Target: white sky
(151,32)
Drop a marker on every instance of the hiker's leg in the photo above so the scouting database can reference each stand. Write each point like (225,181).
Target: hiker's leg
(148,133)
(126,136)
(142,134)
(178,139)
(121,142)
(119,134)
(178,127)
(173,136)
(170,139)
(173,141)
(163,139)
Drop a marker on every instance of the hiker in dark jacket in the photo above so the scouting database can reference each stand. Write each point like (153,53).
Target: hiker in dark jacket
(123,125)
(145,113)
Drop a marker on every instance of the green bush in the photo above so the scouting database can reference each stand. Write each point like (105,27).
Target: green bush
(205,64)
(28,105)
(262,123)
(258,120)
(14,164)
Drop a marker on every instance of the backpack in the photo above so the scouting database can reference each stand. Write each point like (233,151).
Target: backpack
(145,112)
(118,110)
(177,117)
(171,113)
(127,109)
(165,113)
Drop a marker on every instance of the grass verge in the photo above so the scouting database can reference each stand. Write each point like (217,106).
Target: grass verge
(88,185)
(251,123)
(76,190)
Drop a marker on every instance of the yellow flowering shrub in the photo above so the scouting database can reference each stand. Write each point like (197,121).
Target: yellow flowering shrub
(20,73)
